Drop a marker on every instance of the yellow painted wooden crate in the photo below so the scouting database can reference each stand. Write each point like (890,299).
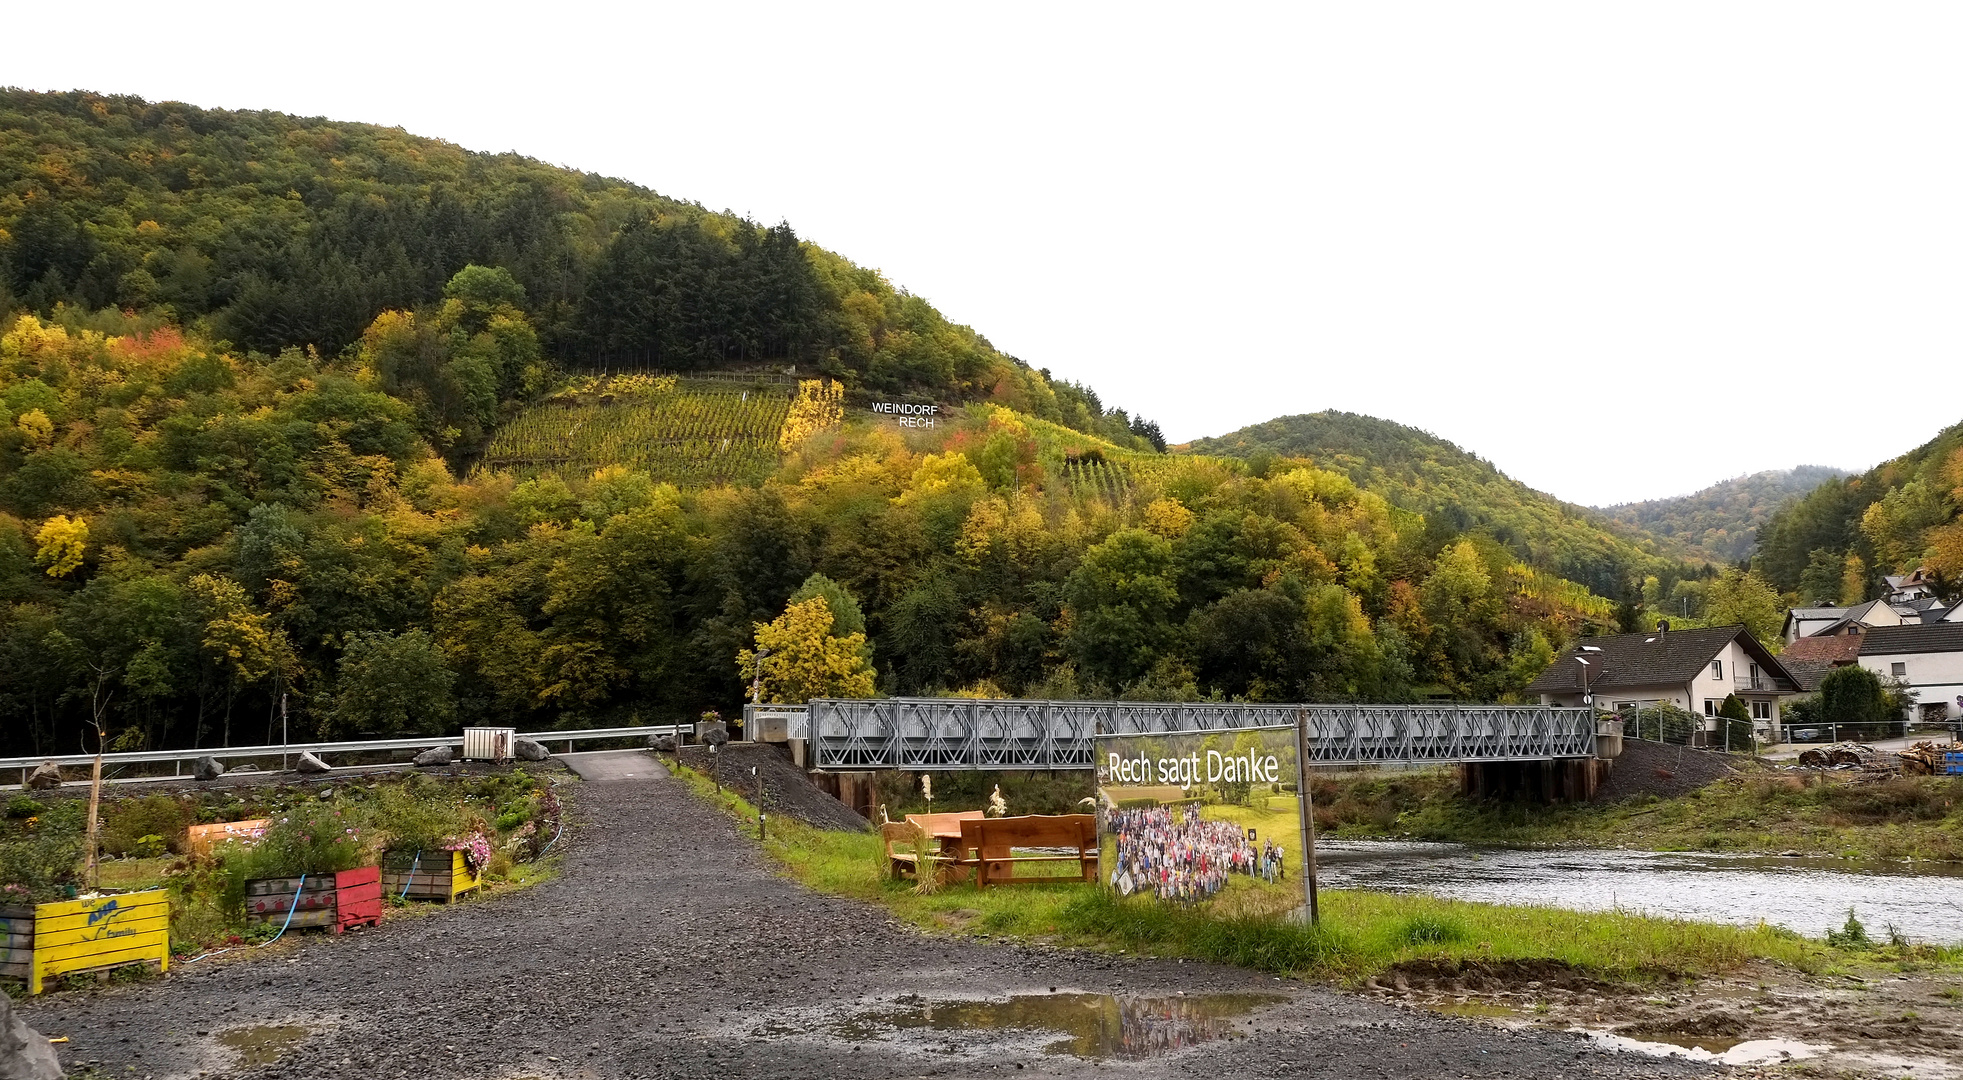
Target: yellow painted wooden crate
(427,875)
(85,935)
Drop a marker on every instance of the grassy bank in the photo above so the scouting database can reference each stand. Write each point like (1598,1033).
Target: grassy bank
(1761,810)
(1363,934)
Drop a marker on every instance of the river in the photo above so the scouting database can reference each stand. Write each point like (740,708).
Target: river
(1921,900)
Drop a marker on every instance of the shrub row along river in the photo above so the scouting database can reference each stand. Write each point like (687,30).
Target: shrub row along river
(1921,900)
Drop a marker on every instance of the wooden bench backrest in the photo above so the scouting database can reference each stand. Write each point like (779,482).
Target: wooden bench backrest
(1031,830)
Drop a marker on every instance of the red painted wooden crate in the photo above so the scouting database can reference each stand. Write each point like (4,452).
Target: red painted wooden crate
(349,898)
(359,897)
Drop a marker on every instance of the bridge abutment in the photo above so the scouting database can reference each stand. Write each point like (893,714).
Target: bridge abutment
(1559,780)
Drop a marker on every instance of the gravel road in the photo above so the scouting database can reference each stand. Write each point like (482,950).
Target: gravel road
(669,949)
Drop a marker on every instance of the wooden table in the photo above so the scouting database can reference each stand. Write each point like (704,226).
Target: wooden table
(946,828)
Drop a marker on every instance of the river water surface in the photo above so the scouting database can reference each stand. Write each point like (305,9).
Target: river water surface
(1922,900)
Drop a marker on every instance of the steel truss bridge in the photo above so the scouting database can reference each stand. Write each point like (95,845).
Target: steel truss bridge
(929,734)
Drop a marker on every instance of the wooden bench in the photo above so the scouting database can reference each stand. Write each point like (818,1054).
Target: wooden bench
(900,863)
(988,845)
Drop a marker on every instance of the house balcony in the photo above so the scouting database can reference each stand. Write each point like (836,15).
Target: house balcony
(1749,683)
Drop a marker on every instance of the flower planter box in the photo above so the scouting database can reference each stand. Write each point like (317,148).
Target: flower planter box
(335,901)
(428,875)
(70,936)
(204,839)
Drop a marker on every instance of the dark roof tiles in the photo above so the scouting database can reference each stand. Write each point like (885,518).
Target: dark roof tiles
(1654,659)
(1913,638)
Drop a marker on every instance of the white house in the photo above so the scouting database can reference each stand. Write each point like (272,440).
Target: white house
(1810,621)
(1905,587)
(1691,669)
(1928,657)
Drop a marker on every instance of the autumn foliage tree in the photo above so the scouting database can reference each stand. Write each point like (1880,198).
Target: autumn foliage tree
(797,657)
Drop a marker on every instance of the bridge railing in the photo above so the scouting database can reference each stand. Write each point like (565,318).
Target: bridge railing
(928,734)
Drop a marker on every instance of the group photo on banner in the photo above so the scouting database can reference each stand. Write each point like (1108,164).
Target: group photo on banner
(1190,818)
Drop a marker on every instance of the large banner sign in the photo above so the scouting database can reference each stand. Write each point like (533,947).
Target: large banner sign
(1202,817)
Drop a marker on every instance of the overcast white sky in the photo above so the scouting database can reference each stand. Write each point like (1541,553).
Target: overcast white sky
(1622,251)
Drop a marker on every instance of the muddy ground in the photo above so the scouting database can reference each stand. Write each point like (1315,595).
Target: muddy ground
(1885,1023)
(668,948)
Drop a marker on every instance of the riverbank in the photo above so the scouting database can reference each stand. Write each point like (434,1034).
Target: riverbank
(1680,800)
(1862,1007)
(1365,934)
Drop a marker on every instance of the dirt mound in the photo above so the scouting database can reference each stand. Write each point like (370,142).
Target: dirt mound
(1663,770)
(1701,1020)
(1489,976)
(785,788)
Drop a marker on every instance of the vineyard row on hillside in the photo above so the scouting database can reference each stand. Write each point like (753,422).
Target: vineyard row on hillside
(684,438)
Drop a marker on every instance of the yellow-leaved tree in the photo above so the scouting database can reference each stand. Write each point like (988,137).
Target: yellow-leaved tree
(63,541)
(798,658)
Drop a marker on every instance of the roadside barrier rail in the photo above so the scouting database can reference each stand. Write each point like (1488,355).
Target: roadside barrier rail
(352,746)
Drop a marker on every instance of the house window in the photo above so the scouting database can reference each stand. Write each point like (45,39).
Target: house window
(1761,710)
(1717,669)
(1710,707)
(1899,670)
(1755,676)
(1625,706)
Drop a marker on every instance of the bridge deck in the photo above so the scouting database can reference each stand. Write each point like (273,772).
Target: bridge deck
(957,733)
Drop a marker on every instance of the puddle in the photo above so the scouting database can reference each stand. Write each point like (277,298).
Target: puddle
(262,1044)
(1723,1051)
(1092,1025)
(1476,1009)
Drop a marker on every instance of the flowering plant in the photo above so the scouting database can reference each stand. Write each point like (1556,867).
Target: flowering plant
(476,850)
(310,839)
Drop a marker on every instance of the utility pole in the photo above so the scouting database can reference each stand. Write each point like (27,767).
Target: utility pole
(1305,806)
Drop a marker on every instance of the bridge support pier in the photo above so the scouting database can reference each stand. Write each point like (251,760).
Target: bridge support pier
(858,790)
(1559,780)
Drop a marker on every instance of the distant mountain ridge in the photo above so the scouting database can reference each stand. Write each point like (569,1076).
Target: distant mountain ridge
(1459,491)
(1722,522)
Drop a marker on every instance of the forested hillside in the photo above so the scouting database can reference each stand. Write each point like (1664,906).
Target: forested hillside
(1722,521)
(188,532)
(1458,492)
(269,231)
(292,409)
(1837,542)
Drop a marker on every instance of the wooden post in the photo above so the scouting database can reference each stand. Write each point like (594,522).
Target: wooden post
(1305,805)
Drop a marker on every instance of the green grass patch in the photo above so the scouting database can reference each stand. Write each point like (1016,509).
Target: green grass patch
(1362,934)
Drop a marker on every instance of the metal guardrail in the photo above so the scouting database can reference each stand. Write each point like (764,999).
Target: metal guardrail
(225,753)
(952,733)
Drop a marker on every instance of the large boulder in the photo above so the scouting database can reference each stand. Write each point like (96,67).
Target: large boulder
(24,1052)
(207,768)
(529,750)
(716,736)
(311,764)
(45,775)
(662,743)
(435,755)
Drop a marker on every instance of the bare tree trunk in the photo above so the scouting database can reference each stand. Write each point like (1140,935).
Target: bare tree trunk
(99,705)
